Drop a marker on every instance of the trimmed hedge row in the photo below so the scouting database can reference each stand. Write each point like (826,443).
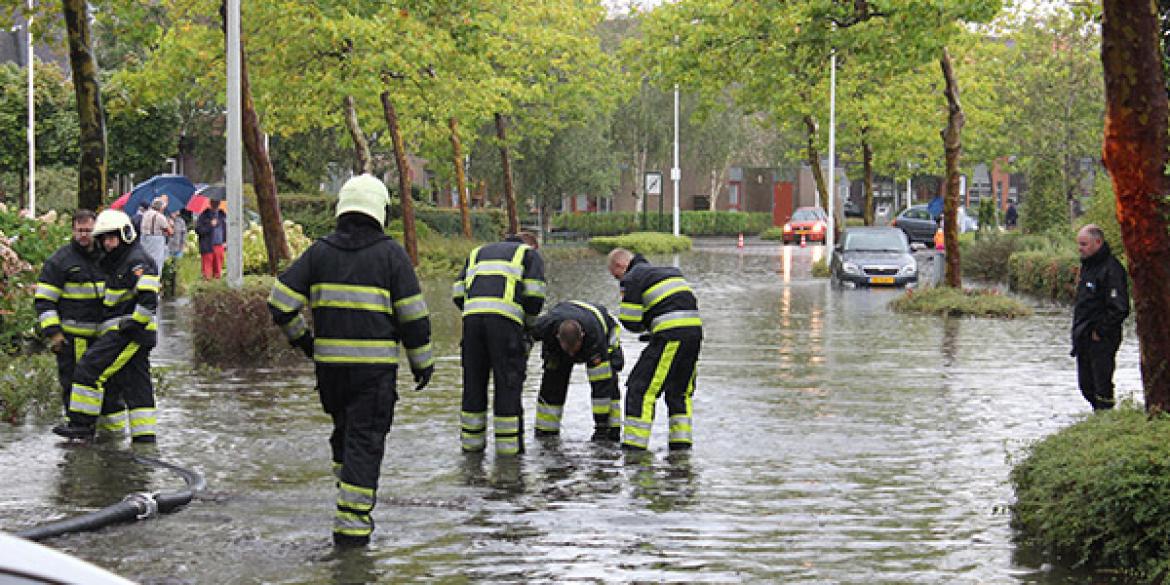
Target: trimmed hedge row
(486,224)
(1045,274)
(642,243)
(1096,494)
(315,214)
(692,223)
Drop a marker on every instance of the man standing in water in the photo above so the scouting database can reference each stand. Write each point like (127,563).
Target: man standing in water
(657,300)
(365,299)
(1101,307)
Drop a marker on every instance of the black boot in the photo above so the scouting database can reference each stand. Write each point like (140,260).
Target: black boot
(605,434)
(547,433)
(75,430)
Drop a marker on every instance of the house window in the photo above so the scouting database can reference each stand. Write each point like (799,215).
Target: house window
(733,195)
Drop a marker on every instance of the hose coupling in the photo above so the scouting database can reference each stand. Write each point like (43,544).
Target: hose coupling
(145,502)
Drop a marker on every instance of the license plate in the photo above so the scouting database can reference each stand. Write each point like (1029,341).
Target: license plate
(881,280)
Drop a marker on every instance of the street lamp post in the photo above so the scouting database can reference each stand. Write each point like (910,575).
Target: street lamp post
(675,171)
(32,124)
(235,151)
(832,195)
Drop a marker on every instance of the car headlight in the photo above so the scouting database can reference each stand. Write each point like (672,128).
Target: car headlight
(850,268)
(908,269)
(787,227)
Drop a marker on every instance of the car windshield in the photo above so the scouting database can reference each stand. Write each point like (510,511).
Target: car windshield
(875,241)
(805,215)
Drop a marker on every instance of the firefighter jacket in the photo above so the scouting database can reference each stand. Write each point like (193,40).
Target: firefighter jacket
(131,294)
(601,347)
(1102,297)
(69,292)
(657,299)
(364,297)
(505,279)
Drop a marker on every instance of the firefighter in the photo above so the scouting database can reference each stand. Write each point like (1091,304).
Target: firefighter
(576,332)
(119,359)
(500,291)
(659,301)
(365,301)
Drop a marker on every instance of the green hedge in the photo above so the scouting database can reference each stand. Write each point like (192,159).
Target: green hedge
(642,243)
(772,233)
(314,213)
(1096,495)
(34,241)
(691,223)
(953,302)
(486,224)
(1045,274)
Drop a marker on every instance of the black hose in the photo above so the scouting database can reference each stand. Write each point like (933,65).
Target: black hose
(136,506)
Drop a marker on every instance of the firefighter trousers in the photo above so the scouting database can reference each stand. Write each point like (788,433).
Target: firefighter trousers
(666,368)
(115,368)
(495,347)
(554,386)
(114,416)
(361,402)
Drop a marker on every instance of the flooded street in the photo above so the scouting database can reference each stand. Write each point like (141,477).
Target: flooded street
(835,442)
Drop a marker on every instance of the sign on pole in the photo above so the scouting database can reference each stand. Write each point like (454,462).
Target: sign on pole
(654,183)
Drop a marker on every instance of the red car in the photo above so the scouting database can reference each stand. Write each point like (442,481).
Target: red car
(809,222)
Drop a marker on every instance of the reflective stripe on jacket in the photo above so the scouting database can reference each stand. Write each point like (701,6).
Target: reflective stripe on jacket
(504,279)
(658,299)
(69,292)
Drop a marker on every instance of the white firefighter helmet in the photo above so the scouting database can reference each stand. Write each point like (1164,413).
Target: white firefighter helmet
(114,221)
(364,194)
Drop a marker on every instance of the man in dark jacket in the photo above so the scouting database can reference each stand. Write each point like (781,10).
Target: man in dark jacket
(120,357)
(576,332)
(1101,307)
(657,300)
(365,299)
(500,291)
(211,227)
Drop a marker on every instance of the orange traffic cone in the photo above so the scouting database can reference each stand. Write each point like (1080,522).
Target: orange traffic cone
(739,244)
(803,241)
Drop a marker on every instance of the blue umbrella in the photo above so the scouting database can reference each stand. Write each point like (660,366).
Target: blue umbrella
(935,207)
(177,188)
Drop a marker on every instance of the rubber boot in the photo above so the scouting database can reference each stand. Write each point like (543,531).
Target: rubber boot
(75,431)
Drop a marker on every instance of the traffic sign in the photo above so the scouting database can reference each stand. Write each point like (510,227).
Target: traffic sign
(653,183)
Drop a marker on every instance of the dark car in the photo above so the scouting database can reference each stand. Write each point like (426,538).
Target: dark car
(917,223)
(869,256)
(808,223)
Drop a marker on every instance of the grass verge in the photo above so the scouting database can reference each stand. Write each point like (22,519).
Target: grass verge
(642,243)
(954,302)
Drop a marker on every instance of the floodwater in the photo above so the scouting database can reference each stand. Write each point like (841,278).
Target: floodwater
(836,442)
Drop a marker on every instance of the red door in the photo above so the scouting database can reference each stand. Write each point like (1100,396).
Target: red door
(781,202)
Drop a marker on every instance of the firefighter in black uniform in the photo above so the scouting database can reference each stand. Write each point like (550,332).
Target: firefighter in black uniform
(500,291)
(1101,307)
(119,359)
(365,299)
(576,332)
(659,301)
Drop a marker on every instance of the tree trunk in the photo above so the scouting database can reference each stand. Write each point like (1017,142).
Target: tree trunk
(361,146)
(713,191)
(506,166)
(263,179)
(952,138)
(409,235)
(867,164)
(1135,154)
(91,169)
(460,178)
(814,161)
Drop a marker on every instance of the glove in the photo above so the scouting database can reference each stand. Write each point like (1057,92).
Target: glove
(422,377)
(305,343)
(57,342)
(527,342)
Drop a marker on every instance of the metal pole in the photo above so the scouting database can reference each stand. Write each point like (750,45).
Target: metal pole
(32,123)
(829,234)
(235,151)
(675,172)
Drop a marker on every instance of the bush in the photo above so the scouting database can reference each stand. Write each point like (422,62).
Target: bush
(29,386)
(421,230)
(256,253)
(1045,274)
(314,213)
(1098,493)
(443,257)
(820,269)
(232,327)
(953,302)
(486,224)
(772,233)
(692,223)
(642,243)
(34,241)
(985,256)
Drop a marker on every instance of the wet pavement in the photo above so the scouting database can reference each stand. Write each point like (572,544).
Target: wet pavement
(836,442)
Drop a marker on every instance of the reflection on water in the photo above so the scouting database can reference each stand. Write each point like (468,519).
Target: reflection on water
(835,442)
